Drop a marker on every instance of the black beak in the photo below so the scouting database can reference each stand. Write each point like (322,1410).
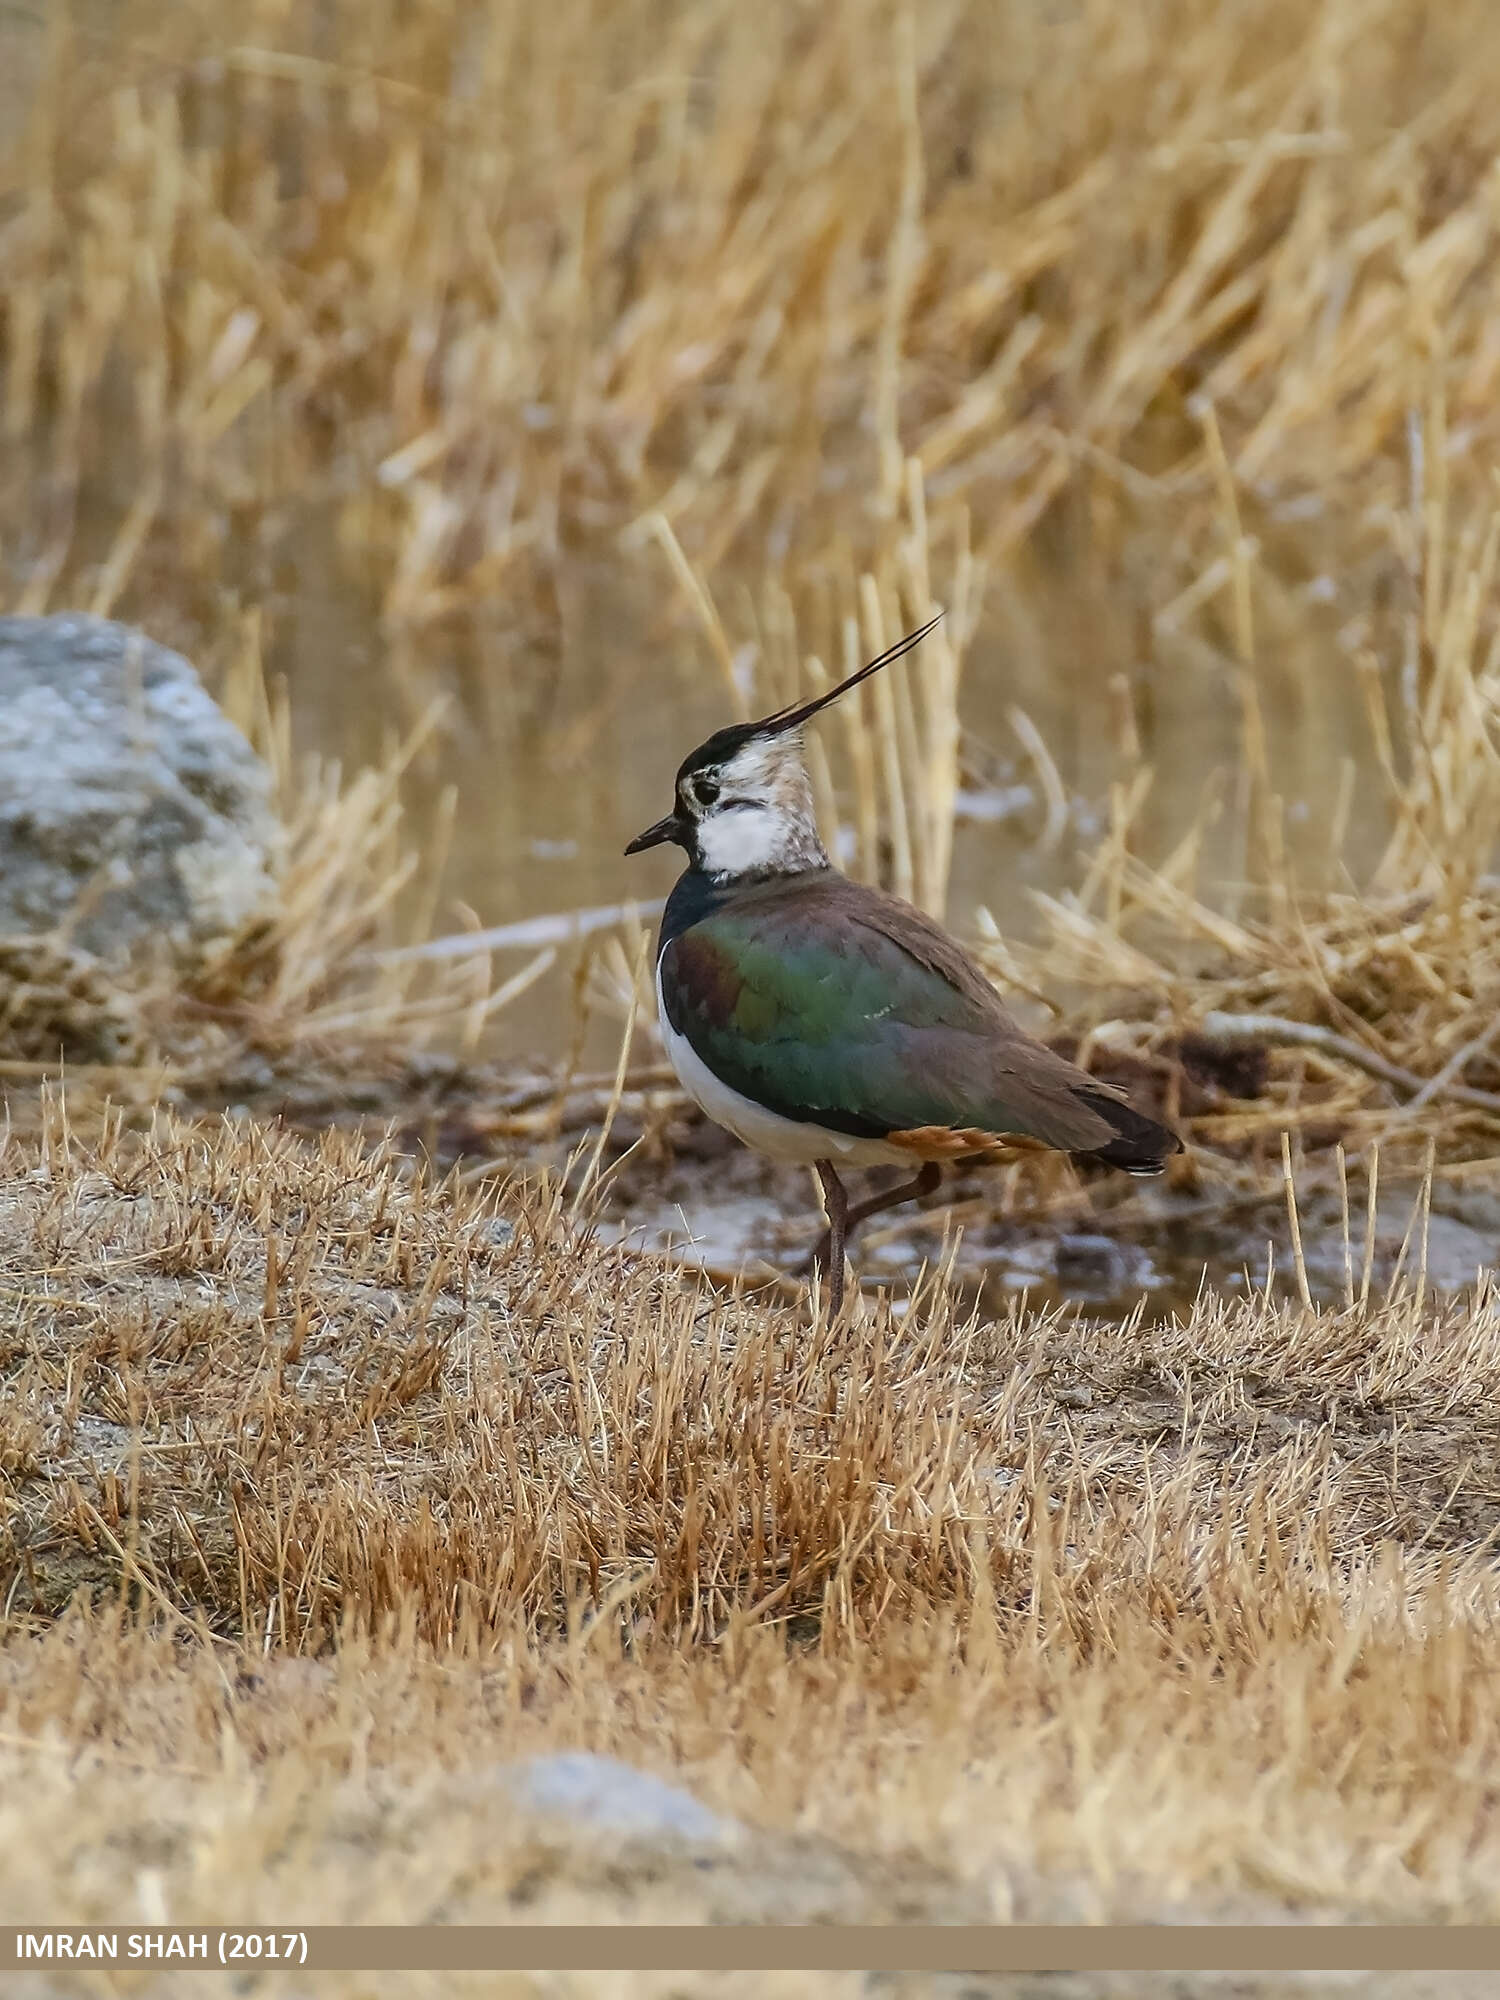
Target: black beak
(673,827)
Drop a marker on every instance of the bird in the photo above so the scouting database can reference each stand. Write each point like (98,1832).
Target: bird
(822,1021)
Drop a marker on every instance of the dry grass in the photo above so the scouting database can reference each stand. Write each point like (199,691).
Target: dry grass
(515,278)
(1021,1618)
(1377,1004)
(310,980)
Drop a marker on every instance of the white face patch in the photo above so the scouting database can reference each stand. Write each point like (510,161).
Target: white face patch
(763,823)
(747,840)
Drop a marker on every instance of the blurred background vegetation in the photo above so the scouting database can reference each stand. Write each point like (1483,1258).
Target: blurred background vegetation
(594,370)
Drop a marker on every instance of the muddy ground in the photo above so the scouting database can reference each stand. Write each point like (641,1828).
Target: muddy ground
(671,1182)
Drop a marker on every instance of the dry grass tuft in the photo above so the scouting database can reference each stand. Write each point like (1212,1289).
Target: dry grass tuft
(363,1473)
(313,980)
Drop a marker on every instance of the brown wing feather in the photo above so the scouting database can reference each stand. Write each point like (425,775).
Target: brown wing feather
(1073,1111)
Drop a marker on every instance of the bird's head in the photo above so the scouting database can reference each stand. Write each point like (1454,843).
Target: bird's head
(743,806)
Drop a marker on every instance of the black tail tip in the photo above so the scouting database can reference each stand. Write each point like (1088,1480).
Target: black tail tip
(1142,1146)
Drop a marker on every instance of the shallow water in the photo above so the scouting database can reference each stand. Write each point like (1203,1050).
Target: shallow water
(560,755)
(1157,1251)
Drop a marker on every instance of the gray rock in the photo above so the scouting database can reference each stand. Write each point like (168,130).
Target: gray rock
(1094,1260)
(1099,1267)
(129,803)
(601,1795)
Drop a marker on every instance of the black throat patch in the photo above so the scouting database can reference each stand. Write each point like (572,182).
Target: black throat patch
(694,896)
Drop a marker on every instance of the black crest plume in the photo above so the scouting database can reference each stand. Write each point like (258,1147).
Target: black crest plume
(724,742)
(795,714)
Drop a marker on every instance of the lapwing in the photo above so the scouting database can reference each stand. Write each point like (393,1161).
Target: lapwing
(825,1022)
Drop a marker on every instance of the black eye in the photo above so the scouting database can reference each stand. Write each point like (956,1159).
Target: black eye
(705,791)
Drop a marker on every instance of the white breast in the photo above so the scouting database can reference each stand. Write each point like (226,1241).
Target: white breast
(766,1131)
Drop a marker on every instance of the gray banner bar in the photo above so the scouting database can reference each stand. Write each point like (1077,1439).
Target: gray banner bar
(925,1948)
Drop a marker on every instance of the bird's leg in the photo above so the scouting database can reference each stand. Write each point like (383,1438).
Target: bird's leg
(920,1184)
(873,1205)
(830,1252)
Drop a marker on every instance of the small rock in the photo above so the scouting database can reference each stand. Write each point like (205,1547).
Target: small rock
(128,801)
(1077,1397)
(1091,1260)
(602,1795)
(249,1074)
